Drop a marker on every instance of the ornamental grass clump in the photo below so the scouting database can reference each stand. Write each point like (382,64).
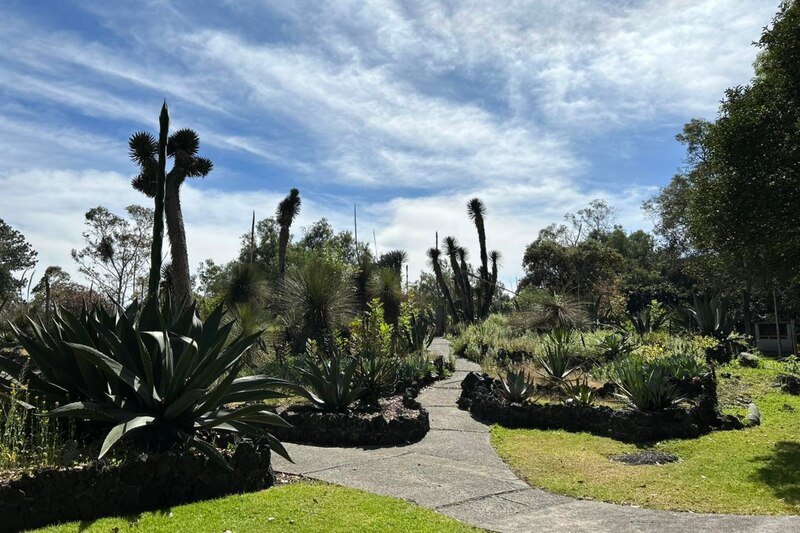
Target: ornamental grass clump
(159,374)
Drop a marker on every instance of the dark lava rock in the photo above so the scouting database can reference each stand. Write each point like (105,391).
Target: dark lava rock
(645,458)
(789,384)
(397,420)
(753,417)
(749,360)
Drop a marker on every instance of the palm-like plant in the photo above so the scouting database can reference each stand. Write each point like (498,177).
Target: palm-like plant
(552,311)
(469,307)
(287,211)
(164,375)
(433,257)
(393,259)
(314,299)
(451,249)
(182,147)
(386,285)
(477,211)
(245,285)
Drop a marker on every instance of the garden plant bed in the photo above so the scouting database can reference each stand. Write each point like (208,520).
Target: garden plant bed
(398,420)
(483,399)
(140,482)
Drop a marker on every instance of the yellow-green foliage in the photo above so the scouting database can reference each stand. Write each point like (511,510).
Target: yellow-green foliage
(27,440)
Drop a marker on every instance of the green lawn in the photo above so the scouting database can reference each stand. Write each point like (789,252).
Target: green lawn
(304,506)
(754,471)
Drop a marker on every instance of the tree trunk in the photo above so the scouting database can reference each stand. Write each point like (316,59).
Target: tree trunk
(181,284)
(458,278)
(469,305)
(283,244)
(446,291)
(748,319)
(485,297)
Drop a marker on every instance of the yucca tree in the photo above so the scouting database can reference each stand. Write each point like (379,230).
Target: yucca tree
(393,259)
(182,146)
(433,256)
(477,212)
(494,257)
(469,305)
(287,211)
(451,249)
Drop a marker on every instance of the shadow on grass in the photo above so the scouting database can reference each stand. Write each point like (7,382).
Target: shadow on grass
(780,473)
(132,519)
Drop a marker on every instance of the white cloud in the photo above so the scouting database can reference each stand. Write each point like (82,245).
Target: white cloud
(442,101)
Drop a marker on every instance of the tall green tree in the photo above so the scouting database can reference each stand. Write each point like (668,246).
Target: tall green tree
(16,254)
(287,211)
(183,147)
(115,255)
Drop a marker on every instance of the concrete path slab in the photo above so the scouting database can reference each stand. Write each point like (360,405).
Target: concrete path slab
(455,471)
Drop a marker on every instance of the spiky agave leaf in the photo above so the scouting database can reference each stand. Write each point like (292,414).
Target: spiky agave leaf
(178,376)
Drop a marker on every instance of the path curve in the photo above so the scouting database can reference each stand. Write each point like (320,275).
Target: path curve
(455,471)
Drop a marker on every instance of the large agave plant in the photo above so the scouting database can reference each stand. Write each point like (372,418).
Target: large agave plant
(330,379)
(145,367)
(517,386)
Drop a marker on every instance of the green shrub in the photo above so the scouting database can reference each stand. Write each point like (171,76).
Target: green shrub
(26,439)
(163,374)
(645,385)
(416,367)
(416,329)
(371,345)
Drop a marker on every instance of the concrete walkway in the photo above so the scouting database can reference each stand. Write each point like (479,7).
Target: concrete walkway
(455,471)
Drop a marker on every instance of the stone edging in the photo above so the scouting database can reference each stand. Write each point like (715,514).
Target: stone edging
(140,483)
(485,402)
(401,420)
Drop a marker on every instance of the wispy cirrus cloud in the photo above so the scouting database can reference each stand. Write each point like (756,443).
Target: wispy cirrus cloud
(407,108)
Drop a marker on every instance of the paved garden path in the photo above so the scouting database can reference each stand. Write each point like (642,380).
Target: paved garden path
(455,471)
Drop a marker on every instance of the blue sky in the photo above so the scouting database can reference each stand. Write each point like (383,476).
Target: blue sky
(406,108)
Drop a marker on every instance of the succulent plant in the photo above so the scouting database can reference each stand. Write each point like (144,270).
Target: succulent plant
(148,367)
(517,386)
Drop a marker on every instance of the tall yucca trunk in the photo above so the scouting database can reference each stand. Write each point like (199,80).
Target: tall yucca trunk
(181,282)
(158,220)
(283,244)
(458,278)
(469,307)
(433,253)
(493,288)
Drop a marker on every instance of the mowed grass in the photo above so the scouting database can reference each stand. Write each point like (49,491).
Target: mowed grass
(304,506)
(753,471)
